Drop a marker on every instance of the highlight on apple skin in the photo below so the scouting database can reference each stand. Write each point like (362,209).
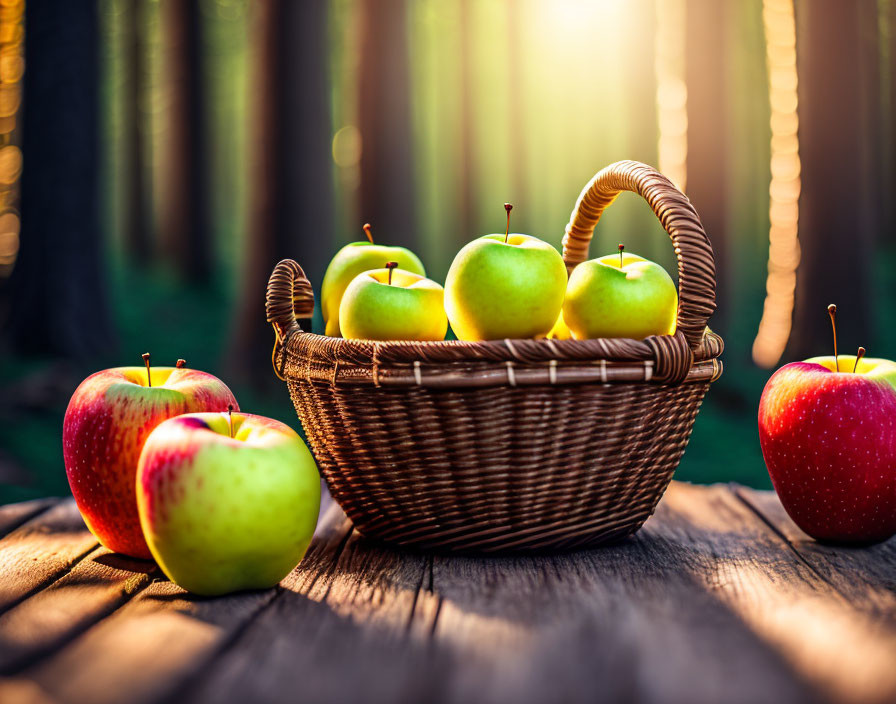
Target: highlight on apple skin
(227,503)
(106,423)
(829,441)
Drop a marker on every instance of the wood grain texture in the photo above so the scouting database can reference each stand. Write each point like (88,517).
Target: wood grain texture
(41,550)
(14,515)
(719,598)
(93,589)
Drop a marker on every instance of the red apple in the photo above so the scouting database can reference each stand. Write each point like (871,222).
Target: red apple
(829,441)
(107,421)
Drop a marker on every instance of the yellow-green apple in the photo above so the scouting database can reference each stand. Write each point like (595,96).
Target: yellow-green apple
(827,427)
(354,259)
(620,295)
(227,503)
(107,421)
(505,286)
(393,304)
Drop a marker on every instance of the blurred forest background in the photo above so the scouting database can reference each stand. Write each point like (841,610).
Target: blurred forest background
(157,157)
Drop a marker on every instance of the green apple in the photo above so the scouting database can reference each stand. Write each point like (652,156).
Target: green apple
(393,304)
(620,295)
(504,285)
(354,259)
(226,504)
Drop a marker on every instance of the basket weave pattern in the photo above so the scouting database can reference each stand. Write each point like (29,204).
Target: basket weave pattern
(507,444)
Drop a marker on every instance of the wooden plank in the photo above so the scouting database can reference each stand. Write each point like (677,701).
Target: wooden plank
(707,603)
(14,515)
(864,575)
(637,621)
(831,639)
(339,632)
(95,587)
(153,645)
(632,621)
(41,550)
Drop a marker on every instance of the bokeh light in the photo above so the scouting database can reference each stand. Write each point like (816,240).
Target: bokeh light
(12,68)
(671,90)
(784,189)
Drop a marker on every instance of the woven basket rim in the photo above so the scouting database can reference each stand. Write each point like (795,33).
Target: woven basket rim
(458,364)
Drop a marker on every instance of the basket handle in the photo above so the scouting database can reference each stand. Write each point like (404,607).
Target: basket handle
(289,297)
(696,265)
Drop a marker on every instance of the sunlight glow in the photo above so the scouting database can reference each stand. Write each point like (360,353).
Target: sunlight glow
(784,189)
(671,91)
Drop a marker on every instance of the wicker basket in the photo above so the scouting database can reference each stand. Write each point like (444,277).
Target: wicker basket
(508,444)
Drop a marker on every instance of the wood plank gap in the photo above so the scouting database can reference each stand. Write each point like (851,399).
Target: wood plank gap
(427,570)
(40,507)
(190,684)
(337,553)
(734,488)
(435,618)
(49,581)
(279,590)
(35,658)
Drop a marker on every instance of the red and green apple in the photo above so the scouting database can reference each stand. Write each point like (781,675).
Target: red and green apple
(107,421)
(227,503)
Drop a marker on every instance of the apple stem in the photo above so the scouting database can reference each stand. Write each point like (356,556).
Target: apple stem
(230,418)
(180,364)
(146,362)
(621,248)
(508,207)
(366,229)
(832,311)
(859,355)
(390,266)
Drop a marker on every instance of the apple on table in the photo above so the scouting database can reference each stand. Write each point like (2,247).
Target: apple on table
(827,427)
(393,304)
(227,502)
(106,423)
(354,259)
(505,286)
(620,295)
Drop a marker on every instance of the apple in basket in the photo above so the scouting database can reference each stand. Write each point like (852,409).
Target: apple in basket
(620,295)
(354,259)
(505,286)
(827,427)
(227,501)
(393,304)
(106,423)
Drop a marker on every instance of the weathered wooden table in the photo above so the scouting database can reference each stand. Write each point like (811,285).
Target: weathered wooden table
(719,598)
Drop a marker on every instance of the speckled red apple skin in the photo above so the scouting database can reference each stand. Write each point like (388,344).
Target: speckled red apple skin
(106,423)
(829,442)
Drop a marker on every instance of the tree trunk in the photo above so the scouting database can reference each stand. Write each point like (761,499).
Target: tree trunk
(290,197)
(137,235)
(835,236)
(58,297)
(707,75)
(184,221)
(387,185)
